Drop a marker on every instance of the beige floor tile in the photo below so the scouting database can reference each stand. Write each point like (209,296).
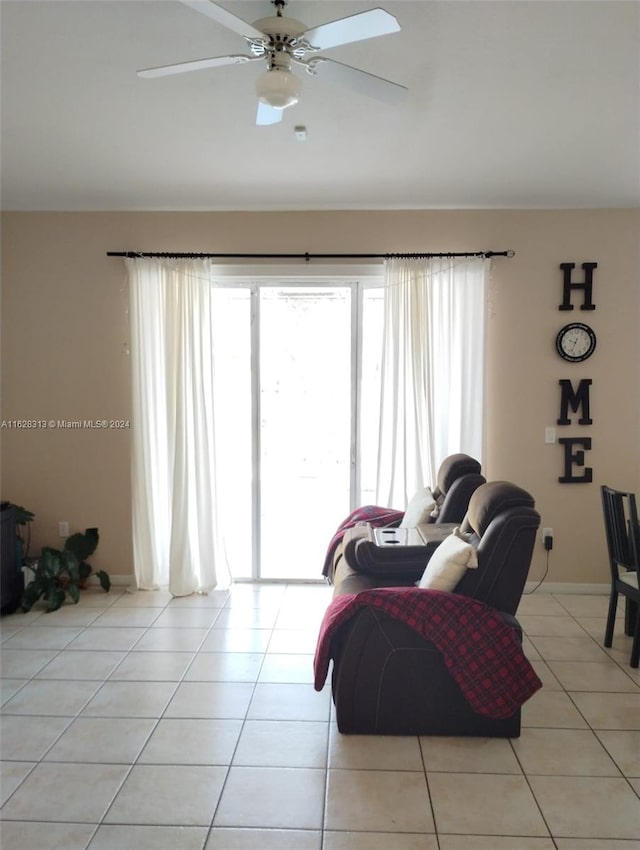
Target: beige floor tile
(144,599)
(10,687)
(609,710)
(205,741)
(539,603)
(237,640)
(215,599)
(168,795)
(552,709)
(529,649)
(23,663)
(287,669)
(8,631)
(569,649)
(27,738)
(272,797)
(70,615)
(378,801)
(468,755)
(304,617)
(568,752)
(584,605)
(188,618)
(494,842)
(210,699)
(624,749)
(41,696)
(282,733)
(128,617)
(225,667)
(102,740)
(42,637)
(374,752)
(152,667)
(59,792)
(549,681)
(537,625)
(294,641)
(620,652)
(22,835)
(289,702)
(130,699)
(596,844)
(115,837)
(20,618)
(282,743)
(475,804)
(592,676)
(256,596)
(82,664)
(595,626)
(95,597)
(247,618)
(263,839)
(171,640)
(586,807)
(12,774)
(378,841)
(107,638)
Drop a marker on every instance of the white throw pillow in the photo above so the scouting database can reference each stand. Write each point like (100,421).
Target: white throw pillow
(419,509)
(453,557)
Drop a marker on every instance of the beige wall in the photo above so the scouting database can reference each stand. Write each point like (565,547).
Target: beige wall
(64,326)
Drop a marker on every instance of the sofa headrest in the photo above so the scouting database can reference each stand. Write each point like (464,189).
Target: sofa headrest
(493,498)
(453,467)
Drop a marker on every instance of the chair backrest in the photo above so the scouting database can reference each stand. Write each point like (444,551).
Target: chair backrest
(503,524)
(458,478)
(621,529)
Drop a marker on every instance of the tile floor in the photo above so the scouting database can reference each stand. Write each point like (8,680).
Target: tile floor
(137,721)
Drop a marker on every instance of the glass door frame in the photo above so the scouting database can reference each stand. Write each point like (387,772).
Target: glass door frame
(253,278)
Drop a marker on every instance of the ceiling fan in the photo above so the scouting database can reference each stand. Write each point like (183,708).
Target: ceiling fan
(283,41)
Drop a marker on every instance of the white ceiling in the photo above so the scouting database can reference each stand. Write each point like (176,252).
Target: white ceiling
(528,104)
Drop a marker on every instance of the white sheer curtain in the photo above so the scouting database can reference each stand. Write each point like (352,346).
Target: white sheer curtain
(173,480)
(432,398)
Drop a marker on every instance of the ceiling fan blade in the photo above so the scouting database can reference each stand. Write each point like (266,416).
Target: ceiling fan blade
(358,27)
(357,80)
(222,16)
(268,115)
(196,65)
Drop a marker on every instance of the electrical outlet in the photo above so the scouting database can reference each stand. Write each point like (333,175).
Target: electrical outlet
(63,528)
(547,538)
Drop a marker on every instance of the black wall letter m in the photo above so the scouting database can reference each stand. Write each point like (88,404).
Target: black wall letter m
(575,399)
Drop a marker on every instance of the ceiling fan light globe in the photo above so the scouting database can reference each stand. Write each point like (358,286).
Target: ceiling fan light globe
(278,89)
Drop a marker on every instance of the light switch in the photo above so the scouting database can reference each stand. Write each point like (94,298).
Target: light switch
(549,435)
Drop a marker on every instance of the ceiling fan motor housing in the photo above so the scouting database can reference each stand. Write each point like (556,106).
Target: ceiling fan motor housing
(281,33)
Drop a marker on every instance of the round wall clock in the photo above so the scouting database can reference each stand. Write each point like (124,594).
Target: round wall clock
(575,342)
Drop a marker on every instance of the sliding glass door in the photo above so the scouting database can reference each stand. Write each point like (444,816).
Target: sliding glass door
(289,422)
(305,424)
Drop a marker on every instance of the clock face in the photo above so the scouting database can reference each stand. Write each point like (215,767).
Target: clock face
(576,342)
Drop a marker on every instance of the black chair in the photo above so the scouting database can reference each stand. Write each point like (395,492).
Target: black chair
(623,544)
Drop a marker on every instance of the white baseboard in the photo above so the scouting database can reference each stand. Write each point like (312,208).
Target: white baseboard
(545,587)
(569,587)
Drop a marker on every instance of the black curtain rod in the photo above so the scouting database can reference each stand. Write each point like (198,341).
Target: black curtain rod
(307,257)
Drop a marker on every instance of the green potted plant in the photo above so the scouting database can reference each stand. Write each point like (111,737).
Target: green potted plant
(58,572)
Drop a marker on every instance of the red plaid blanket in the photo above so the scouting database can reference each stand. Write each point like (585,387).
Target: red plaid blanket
(483,653)
(368,513)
